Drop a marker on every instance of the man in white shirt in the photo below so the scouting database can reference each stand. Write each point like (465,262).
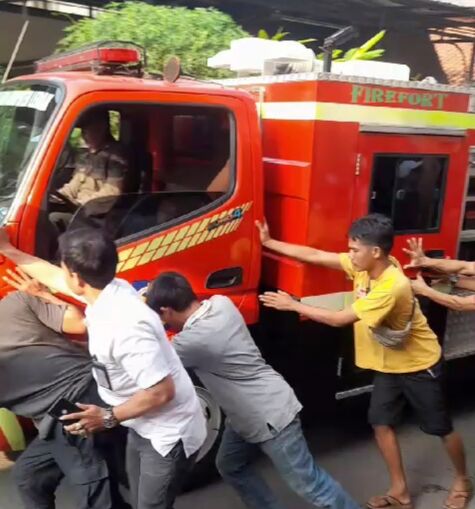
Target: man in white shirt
(137,370)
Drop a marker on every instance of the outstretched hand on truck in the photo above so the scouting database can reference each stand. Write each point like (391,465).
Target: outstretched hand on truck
(24,283)
(278,300)
(263,231)
(415,252)
(419,286)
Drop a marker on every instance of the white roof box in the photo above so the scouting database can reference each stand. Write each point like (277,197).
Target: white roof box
(372,69)
(252,55)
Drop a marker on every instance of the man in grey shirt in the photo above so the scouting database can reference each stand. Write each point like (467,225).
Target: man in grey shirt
(39,366)
(261,408)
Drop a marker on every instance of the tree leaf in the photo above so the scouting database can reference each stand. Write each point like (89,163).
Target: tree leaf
(371,43)
(307,41)
(193,35)
(262,34)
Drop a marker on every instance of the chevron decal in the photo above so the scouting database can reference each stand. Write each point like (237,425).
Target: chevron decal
(186,237)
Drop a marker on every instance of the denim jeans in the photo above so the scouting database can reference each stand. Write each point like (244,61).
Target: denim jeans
(289,453)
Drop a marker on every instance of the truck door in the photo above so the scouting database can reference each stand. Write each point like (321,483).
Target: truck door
(417,178)
(188,197)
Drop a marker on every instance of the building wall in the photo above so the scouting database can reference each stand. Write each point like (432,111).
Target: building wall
(40,40)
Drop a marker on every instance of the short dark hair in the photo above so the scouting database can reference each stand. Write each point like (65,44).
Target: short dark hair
(374,230)
(98,115)
(170,290)
(91,254)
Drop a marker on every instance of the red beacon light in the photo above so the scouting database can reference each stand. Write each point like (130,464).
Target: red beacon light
(108,57)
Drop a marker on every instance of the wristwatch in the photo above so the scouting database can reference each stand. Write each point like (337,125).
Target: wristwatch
(110,420)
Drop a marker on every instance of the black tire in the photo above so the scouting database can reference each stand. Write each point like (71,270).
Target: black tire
(205,468)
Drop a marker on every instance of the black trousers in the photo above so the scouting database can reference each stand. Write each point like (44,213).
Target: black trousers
(155,480)
(92,466)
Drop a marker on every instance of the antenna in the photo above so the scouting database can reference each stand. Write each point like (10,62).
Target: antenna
(338,38)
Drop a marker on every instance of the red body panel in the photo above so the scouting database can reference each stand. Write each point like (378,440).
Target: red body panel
(312,192)
(309,178)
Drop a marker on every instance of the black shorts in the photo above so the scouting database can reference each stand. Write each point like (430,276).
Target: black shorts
(423,390)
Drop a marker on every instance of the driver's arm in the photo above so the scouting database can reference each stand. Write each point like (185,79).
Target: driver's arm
(70,189)
(220,183)
(117,168)
(111,187)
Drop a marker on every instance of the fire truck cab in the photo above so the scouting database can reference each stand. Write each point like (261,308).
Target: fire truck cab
(311,152)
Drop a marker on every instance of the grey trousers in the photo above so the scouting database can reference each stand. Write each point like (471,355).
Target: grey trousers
(155,480)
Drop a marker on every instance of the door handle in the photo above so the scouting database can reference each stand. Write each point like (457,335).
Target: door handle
(225,278)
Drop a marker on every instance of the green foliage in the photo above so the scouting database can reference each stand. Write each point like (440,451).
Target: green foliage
(279,36)
(193,35)
(363,52)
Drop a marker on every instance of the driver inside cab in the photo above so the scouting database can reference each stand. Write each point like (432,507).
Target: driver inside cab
(99,173)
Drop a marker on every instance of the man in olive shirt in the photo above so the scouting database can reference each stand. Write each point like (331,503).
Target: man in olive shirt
(39,366)
(261,408)
(408,371)
(100,173)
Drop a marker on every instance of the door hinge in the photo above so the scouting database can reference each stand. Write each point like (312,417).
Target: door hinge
(358,164)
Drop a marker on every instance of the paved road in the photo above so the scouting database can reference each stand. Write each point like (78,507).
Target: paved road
(348,452)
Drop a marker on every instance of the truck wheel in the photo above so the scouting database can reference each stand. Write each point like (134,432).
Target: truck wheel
(205,469)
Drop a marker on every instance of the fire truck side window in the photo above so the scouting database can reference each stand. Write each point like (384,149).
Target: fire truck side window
(182,161)
(409,189)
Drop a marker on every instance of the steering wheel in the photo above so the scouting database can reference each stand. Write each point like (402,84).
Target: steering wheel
(63,200)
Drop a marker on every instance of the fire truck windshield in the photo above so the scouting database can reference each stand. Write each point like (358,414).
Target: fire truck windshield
(25,111)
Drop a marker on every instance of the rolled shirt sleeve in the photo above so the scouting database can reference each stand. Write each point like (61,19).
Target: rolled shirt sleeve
(347,265)
(50,315)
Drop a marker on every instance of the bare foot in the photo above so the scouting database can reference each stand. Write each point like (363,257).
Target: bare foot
(460,494)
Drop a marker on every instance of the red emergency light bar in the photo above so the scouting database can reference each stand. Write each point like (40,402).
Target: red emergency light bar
(109,57)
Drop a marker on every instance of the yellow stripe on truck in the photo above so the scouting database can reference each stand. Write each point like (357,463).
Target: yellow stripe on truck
(377,115)
(181,239)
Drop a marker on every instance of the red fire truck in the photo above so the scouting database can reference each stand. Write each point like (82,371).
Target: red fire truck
(311,152)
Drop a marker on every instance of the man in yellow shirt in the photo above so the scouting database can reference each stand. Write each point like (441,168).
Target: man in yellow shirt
(410,372)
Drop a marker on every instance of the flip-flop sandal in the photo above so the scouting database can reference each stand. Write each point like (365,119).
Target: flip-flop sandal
(458,499)
(389,502)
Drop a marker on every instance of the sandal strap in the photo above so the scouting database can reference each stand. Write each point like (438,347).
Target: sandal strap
(389,501)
